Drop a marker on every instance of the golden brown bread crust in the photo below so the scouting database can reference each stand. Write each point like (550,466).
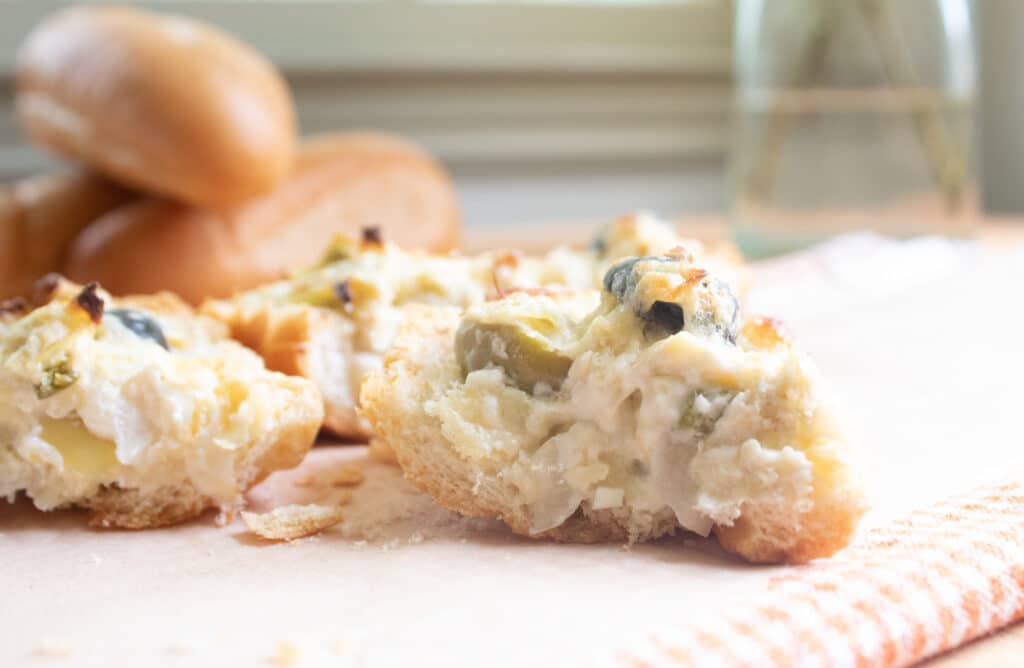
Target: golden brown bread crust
(342,183)
(761,535)
(160,102)
(278,335)
(113,508)
(39,218)
(284,337)
(12,222)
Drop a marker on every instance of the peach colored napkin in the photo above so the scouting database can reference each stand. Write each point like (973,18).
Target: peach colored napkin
(905,591)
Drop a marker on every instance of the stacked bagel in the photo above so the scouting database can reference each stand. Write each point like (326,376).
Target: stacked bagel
(190,176)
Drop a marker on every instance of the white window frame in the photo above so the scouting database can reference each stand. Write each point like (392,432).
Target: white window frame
(498,35)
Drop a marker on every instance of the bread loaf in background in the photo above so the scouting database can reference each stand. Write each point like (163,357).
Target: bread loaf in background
(40,217)
(159,102)
(341,183)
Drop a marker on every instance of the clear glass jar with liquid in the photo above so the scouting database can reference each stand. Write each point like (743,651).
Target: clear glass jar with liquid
(852,115)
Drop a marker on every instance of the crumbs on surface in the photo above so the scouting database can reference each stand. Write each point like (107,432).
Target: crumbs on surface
(285,654)
(52,649)
(225,517)
(292,522)
(348,476)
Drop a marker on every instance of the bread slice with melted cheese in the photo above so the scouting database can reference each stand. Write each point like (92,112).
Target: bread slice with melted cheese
(139,410)
(647,409)
(334,323)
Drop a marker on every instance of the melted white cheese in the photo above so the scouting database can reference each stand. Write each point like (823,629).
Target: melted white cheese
(694,424)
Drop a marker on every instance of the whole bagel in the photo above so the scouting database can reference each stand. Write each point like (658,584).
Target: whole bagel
(159,102)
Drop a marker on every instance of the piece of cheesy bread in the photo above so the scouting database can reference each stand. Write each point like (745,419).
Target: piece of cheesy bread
(137,409)
(628,414)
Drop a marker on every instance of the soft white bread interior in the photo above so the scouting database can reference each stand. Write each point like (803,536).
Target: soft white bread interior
(625,421)
(137,409)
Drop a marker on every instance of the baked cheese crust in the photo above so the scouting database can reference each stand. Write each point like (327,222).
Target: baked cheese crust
(334,323)
(137,409)
(627,415)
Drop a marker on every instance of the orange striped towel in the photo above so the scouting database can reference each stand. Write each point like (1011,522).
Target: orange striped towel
(902,593)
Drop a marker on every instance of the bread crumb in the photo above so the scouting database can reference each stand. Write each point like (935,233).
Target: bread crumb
(225,517)
(52,649)
(348,475)
(416,538)
(344,498)
(285,654)
(292,522)
(92,558)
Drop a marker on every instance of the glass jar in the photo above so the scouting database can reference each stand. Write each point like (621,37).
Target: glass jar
(852,115)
